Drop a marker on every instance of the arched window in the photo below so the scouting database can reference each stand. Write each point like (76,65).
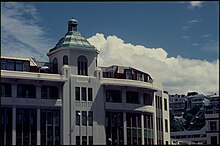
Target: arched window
(65,60)
(55,66)
(82,65)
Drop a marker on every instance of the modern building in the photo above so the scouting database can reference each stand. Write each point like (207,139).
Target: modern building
(177,104)
(201,115)
(70,100)
(212,120)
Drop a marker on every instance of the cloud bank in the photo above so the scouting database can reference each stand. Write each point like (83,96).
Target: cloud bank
(179,75)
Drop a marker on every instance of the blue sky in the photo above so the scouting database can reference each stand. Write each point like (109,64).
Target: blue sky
(175,42)
(191,32)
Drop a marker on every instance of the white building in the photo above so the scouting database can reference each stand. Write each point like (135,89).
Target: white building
(212,120)
(70,100)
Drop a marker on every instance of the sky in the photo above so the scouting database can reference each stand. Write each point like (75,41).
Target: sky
(175,42)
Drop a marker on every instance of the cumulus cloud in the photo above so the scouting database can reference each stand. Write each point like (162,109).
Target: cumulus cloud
(179,75)
(20,32)
(194,4)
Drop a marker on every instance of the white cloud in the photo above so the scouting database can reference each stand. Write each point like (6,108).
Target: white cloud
(21,33)
(194,4)
(178,74)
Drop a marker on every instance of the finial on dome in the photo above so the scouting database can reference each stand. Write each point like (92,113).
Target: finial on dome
(72,25)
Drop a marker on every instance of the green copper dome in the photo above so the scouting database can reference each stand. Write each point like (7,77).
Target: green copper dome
(73,38)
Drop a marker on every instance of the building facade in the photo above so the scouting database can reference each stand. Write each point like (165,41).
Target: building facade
(70,100)
(201,116)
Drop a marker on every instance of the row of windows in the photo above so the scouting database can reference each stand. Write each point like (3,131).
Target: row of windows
(26,126)
(188,136)
(29,91)
(159,103)
(84,140)
(115,128)
(82,64)
(15,65)
(131,97)
(83,94)
(85,118)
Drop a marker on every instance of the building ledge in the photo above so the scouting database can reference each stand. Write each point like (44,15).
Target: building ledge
(32,76)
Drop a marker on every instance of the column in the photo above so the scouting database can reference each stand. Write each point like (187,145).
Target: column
(14,90)
(142,128)
(123,95)
(154,127)
(125,128)
(38,92)
(13,126)
(38,127)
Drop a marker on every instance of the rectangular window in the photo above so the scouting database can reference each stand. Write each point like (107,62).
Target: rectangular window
(166,125)
(148,99)
(78,117)
(84,140)
(26,66)
(156,101)
(113,96)
(132,97)
(165,104)
(90,140)
(5,126)
(128,74)
(77,93)
(26,91)
(213,140)
(90,94)
(19,66)
(90,118)
(77,140)
(11,65)
(26,126)
(49,92)
(3,64)
(84,118)
(160,102)
(167,143)
(83,93)
(213,126)
(6,90)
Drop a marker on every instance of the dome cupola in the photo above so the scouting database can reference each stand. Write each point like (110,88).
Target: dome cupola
(72,25)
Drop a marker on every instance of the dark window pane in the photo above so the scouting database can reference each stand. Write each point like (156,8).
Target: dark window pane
(78,117)
(55,65)
(84,140)
(166,125)
(19,66)
(6,90)
(148,99)
(84,118)
(82,65)
(165,104)
(77,140)
(90,94)
(113,96)
(90,118)
(132,97)
(3,64)
(65,60)
(44,92)
(83,94)
(77,93)
(90,140)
